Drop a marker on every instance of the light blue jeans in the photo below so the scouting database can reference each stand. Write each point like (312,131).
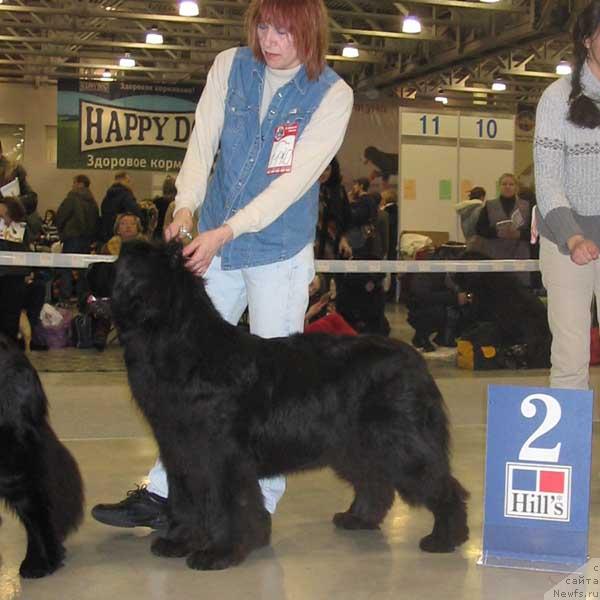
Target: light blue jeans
(277,298)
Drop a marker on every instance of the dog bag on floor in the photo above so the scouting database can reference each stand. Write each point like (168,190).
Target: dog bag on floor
(478,349)
(56,326)
(82,333)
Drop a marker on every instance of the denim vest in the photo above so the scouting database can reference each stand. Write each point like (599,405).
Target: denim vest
(240,172)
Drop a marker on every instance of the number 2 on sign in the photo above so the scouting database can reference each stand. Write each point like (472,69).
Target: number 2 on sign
(551,420)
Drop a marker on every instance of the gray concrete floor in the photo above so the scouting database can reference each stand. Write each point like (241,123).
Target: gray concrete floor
(308,559)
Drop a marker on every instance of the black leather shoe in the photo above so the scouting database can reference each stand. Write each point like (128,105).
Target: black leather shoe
(140,508)
(421,342)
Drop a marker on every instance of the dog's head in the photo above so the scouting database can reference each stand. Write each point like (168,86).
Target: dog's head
(151,284)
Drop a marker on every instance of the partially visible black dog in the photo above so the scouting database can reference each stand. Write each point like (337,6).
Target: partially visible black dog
(39,478)
(228,408)
(521,318)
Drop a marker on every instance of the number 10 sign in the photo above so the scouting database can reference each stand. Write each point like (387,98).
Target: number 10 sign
(537,481)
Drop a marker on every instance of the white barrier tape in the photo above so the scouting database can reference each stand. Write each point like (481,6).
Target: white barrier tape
(52,260)
(81,261)
(424,266)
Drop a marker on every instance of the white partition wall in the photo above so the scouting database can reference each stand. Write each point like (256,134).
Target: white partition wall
(443,155)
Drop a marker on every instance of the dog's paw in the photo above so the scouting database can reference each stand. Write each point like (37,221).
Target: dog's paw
(431,543)
(169,548)
(347,520)
(34,568)
(203,560)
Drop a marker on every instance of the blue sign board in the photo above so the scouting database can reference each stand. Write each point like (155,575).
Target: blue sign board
(537,481)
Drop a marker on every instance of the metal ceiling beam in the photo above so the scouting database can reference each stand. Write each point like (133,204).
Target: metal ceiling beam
(88,12)
(539,74)
(56,75)
(103,65)
(503,7)
(72,40)
(472,51)
(217,34)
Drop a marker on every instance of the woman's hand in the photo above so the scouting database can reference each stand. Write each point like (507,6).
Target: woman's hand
(345,248)
(202,249)
(583,251)
(181,221)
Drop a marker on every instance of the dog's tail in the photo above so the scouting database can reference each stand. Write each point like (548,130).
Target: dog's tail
(63,483)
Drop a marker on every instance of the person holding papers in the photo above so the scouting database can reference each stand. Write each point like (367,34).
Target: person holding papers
(504,225)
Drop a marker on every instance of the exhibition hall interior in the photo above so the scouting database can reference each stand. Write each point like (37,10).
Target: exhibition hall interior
(438,159)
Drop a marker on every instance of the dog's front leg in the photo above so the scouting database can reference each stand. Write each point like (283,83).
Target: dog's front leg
(183,533)
(236,520)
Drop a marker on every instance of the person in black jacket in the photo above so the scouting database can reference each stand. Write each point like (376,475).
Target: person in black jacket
(334,211)
(77,222)
(118,199)
(360,297)
(169,191)
(12,279)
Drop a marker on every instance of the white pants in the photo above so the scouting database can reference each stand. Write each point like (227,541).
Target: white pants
(570,290)
(277,298)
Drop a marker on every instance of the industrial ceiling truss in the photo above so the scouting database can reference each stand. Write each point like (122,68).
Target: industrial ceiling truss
(463,46)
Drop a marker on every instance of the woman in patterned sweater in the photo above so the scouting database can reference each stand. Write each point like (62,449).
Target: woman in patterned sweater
(566,153)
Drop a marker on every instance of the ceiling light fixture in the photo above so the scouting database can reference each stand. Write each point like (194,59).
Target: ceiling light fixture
(127,61)
(563,68)
(411,24)
(188,8)
(154,36)
(350,50)
(489,1)
(498,85)
(441,99)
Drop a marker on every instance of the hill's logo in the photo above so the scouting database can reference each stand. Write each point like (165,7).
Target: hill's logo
(537,492)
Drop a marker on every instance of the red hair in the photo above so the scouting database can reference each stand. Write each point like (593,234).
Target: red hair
(306,20)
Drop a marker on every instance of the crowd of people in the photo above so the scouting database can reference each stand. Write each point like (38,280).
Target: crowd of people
(357,221)
(79,225)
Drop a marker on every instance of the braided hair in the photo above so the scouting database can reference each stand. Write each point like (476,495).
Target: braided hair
(583,111)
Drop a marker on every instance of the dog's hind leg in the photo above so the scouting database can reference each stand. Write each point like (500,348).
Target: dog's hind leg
(448,505)
(23,488)
(372,501)
(446,499)
(44,551)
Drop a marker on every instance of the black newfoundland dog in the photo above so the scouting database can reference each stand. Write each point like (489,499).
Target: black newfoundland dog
(39,478)
(519,316)
(228,408)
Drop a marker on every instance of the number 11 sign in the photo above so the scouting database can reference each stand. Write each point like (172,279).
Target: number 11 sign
(537,481)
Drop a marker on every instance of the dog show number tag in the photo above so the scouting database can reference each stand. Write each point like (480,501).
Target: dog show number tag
(282,151)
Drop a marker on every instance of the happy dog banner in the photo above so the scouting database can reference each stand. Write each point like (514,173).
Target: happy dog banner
(121,125)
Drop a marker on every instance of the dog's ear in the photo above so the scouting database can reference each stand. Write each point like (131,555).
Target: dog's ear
(173,250)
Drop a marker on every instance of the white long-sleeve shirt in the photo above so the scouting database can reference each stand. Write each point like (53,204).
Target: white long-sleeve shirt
(316,147)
